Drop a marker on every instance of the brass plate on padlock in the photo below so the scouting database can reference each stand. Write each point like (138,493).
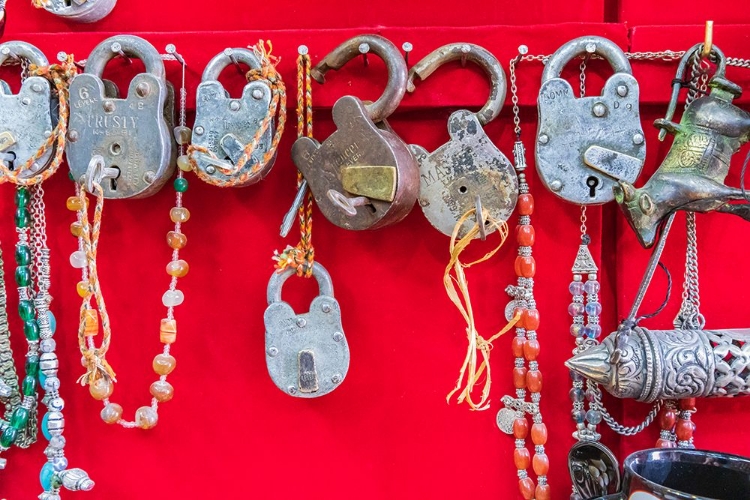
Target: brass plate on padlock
(6,140)
(374,182)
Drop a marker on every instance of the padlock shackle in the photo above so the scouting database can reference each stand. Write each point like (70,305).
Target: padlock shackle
(607,49)
(22,50)
(275,284)
(223,59)
(394,62)
(475,54)
(131,45)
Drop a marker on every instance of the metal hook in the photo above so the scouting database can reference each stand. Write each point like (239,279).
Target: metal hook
(302,50)
(97,172)
(117,49)
(364,48)
(481,220)
(708,40)
(9,53)
(230,54)
(407,47)
(172,51)
(522,51)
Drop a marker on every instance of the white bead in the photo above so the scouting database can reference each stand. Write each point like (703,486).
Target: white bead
(56,404)
(51,384)
(47,345)
(172,298)
(78,259)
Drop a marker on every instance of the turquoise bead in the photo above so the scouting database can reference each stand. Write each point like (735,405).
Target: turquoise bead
(28,388)
(32,365)
(46,476)
(26,310)
(31,330)
(23,276)
(19,418)
(23,255)
(45,425)
(22,197)
(8,437)
(180,185)
(52,322)
(23,217)
(42,378)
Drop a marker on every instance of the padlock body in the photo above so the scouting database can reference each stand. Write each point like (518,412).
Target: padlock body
(82,11)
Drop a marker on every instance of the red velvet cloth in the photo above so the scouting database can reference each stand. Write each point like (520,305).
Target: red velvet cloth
(387,432)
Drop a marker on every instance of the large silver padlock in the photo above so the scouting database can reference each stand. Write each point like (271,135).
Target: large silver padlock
(469,165)
(28,118)
(82,11)
(224,125)
(307,355)
(584,146)
(133,135)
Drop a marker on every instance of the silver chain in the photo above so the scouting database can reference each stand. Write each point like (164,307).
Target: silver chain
(582,67)
(616,426)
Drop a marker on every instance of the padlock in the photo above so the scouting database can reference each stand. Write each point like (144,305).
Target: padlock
(224,125)
(133,135)
(307,355)
(82,11)
(469,165)
(28,118)
(363,176)
(584,146)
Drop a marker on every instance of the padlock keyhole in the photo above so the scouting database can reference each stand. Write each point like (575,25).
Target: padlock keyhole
(592,182)
(68,3)
(10,159)
(113,182)
(463,189)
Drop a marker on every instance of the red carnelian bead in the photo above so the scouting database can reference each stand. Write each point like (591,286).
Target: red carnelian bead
(543,492)
(526,485)
(667,419)
(517,346)
(525,204)
(665,443)
(525,235)
(534,380)
(520,428)
(525,267)
(519,378)
(521,458)
(541,464)
(687,404)
(530,319)
(531,350)
(684,429)
(539,434)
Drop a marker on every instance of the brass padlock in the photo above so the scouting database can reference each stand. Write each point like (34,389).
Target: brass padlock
(469,165)
(584,146)
(363,176)
(133,135)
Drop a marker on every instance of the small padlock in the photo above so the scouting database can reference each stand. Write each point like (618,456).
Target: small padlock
(82,11)
(363,176)
(224,125)
(584,146)
(306,354)
(132,135)
(469,165)
(28,118)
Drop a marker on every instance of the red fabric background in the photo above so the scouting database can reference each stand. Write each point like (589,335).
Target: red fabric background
(387,431)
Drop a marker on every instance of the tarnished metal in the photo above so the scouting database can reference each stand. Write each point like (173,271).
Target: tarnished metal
(82,11)
(134,134)
(227,124)
(585,145)
(692,175)
(307,355)
(594,470)
(469,164)
(362,141)
(28,117)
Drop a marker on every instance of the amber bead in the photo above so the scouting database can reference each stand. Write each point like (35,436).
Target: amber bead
(521,458)
(74,203)
(530,319)
(684,429)
(543,492)
(517,346)
(176,240)
(168,331)
(164,364)
(539,434)
(667,419)
(665,443)
(76,229)
(146,417)
(179,214)
(519,377)
(178,268)
(526,485)
(531,350)
(520,428)
(687,404)
(525,267)
(101,388)
(534,380)
(111,413)
(82,288)
(525,204)
(162,391)
(525,235)
(540,462)
(91,323)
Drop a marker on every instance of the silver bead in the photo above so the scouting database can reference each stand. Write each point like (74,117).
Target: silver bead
(48,364)
(60,463)
(48,495)
(56,404)
(51,384)
(57,442)
(55,423)
(76,480)
(47,345)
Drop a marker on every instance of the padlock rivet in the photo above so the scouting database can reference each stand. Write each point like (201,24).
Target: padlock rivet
(622,90)
(257,94)
(36,88)
(543,139)
(326,308)
(336,379)
(272,351)
(599,109)
(25,101)
(338,336)
(211,170)
(637,139)
(199,130)
(149,176)
(142,89)
(555,185)
(301,322)
(292,389)
(234,105)
(72,136)
(109,106)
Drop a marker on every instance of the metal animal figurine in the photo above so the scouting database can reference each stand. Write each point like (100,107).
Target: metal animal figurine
(692,175)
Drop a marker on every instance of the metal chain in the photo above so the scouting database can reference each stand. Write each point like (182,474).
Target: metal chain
(584,229)
(38,229)
(582,67)
(616,426)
